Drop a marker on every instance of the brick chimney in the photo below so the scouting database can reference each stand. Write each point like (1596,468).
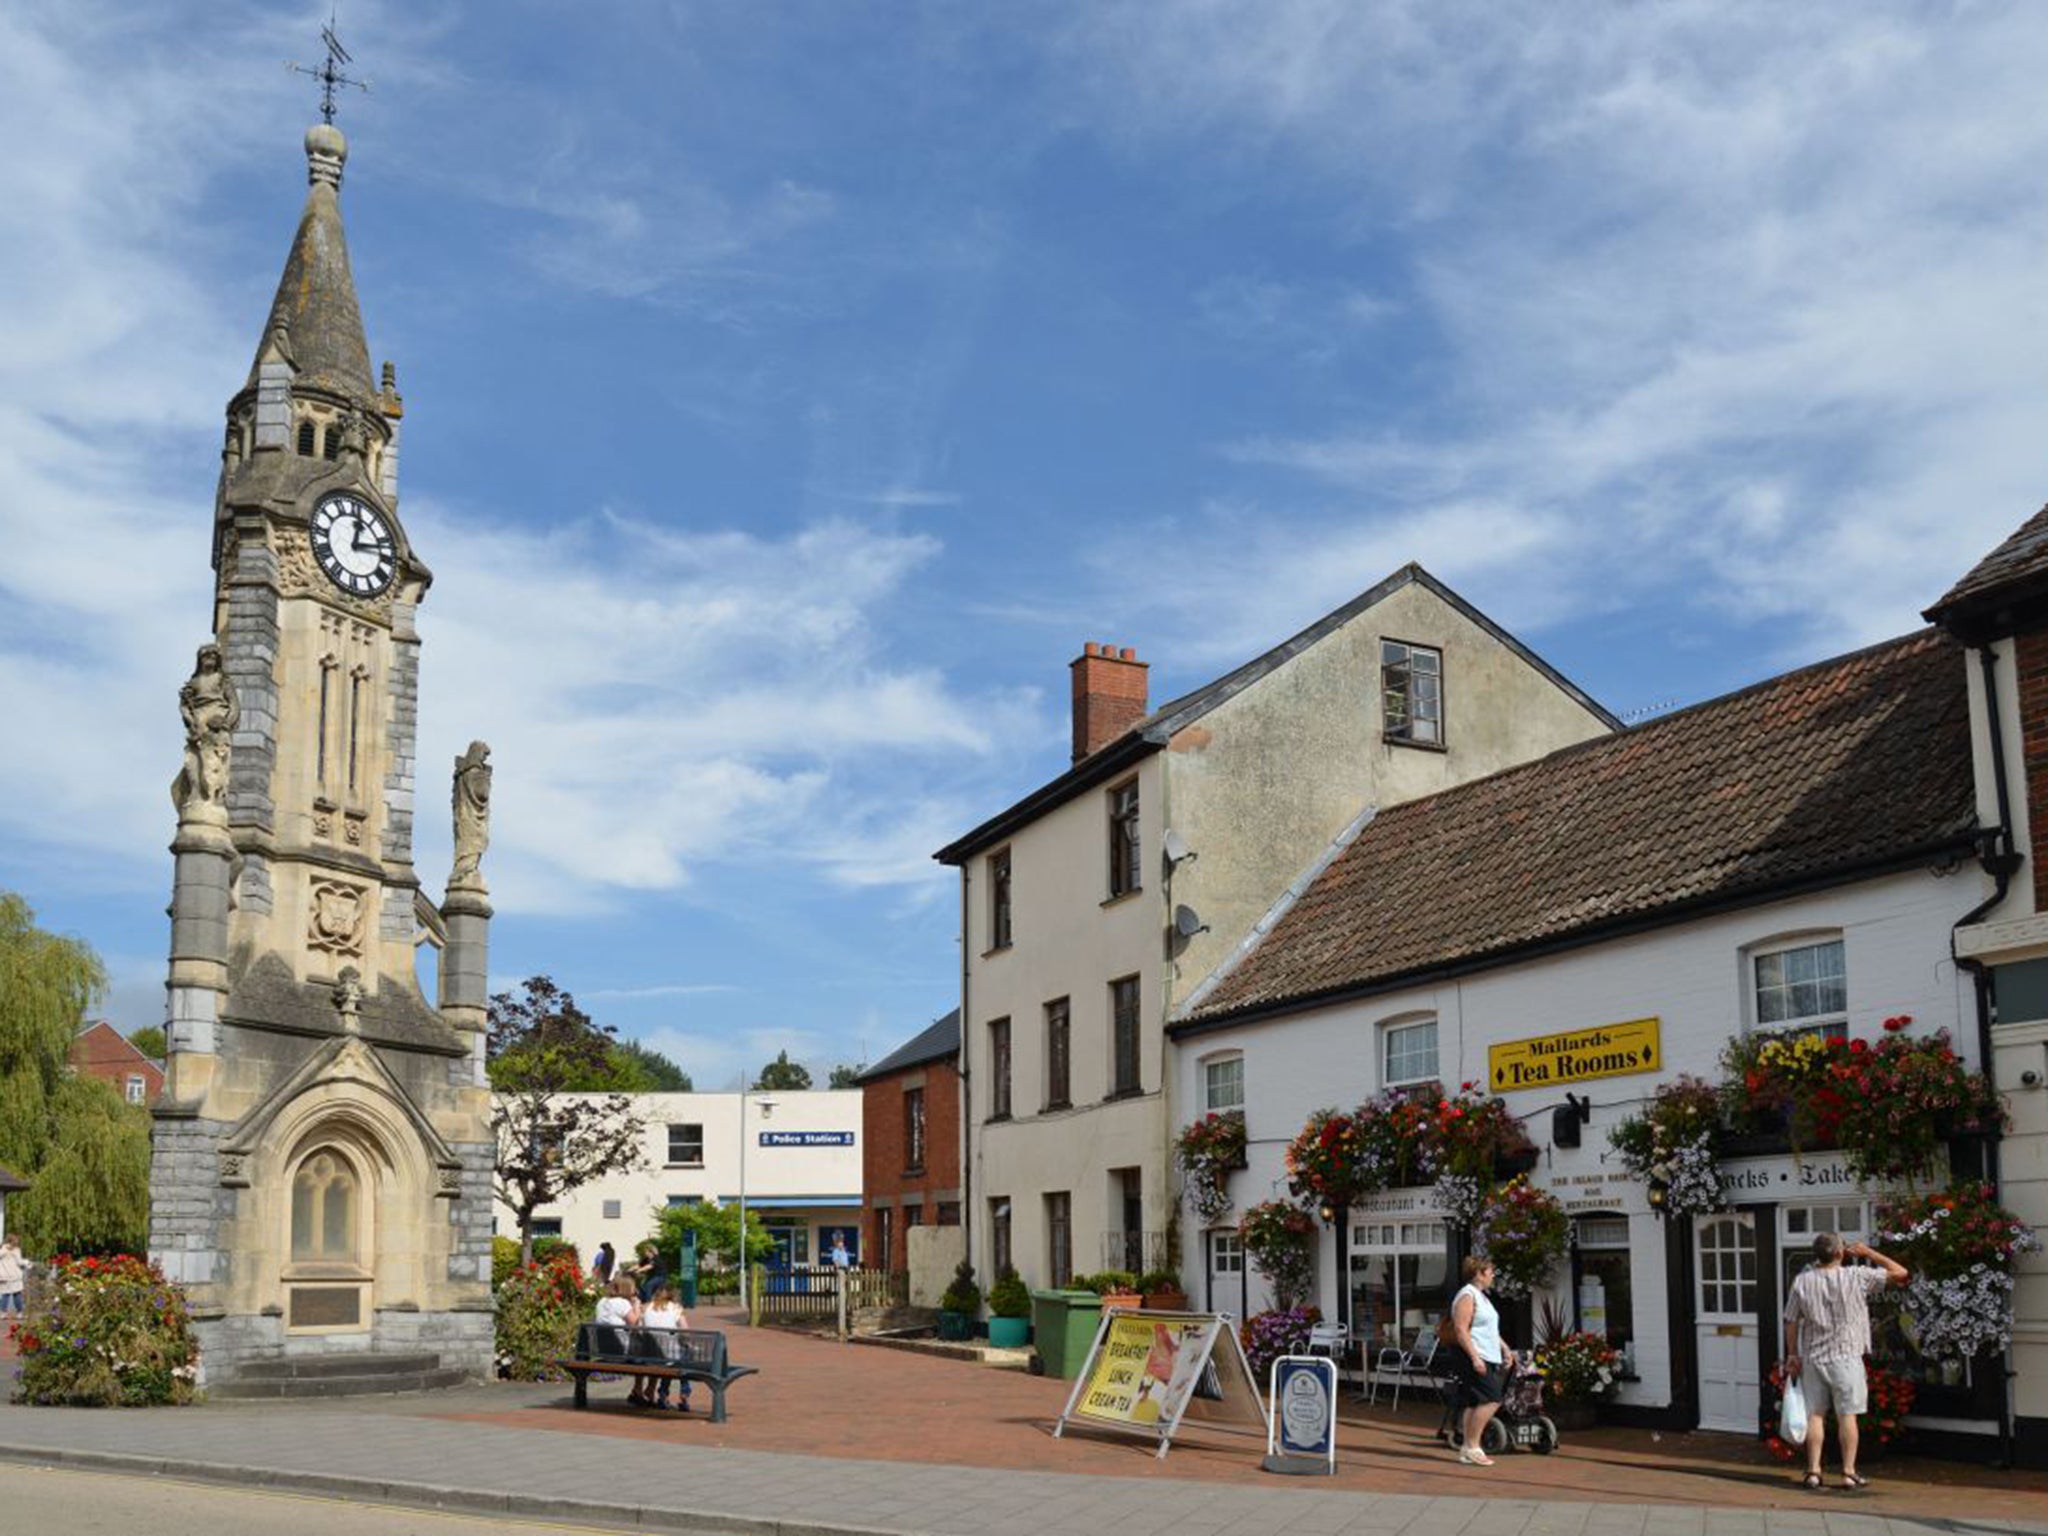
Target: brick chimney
(1109,695)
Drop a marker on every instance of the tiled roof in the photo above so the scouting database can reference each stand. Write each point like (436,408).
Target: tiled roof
(939,1041)
(2021,561)
(1820,773)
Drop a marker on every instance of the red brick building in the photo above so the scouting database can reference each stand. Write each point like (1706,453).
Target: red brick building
(910,1119)
(102,1051)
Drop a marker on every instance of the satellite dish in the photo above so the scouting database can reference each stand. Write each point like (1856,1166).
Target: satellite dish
(1175,847)
(1187,922)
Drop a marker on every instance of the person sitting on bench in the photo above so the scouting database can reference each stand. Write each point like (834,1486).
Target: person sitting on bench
(665,1311)
(620,1308)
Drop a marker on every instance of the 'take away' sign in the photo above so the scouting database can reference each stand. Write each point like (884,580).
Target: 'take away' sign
(1610,1050)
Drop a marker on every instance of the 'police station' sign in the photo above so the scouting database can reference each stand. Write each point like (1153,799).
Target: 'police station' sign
(1611,1050)
(807,1138)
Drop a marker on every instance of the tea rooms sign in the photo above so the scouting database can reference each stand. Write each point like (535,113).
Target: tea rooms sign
(1609,1050)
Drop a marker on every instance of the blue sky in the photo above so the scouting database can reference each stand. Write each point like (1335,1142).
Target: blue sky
(792,388)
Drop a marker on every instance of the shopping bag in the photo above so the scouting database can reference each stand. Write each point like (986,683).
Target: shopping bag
(1792,1421)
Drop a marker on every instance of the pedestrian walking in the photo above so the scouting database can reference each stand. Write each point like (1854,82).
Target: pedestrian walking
(13,1276)
(601,1267)
(1827,1334)
(1483,1360)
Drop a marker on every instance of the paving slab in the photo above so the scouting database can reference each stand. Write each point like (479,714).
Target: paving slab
(821,1441)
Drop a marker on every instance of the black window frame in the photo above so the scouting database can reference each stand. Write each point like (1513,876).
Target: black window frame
(1126,872)
(1059,1237)
(1001,901)
(1126,1038)
(1001,1099)
(1059,1054)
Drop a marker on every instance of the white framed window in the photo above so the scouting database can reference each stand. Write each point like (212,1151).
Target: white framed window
(1412,693)
(136,1089)
(1408,1053)
(1800,987)
(1223,1084)
(1226,1253)
(685,1145)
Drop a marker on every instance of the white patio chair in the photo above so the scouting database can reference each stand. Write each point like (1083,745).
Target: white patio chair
(1416,1361)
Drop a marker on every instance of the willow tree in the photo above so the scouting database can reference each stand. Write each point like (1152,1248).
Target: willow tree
(84,1151)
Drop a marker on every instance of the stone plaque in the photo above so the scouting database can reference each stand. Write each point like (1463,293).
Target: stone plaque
(326,1306)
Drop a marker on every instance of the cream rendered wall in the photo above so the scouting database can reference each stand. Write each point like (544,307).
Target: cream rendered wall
(1068,940)
(772,1172)
(1692,977)
(1260,785)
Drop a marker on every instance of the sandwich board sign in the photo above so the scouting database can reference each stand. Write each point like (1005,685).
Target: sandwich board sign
(1302,1437)
(1145,1369)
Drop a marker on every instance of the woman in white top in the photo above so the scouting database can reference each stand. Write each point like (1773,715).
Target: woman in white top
(666,1312)
(1485,1359)
(619,1308)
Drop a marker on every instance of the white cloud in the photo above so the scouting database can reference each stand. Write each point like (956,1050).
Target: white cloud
(1741,303)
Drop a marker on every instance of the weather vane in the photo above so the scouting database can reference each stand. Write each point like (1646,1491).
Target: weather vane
(329,74)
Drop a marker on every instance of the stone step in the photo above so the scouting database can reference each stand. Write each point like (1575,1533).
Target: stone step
(379,1383)
(292,1367)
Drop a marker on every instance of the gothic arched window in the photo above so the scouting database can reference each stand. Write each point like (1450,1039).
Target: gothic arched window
(330,442)
(306,438)
(324,1210)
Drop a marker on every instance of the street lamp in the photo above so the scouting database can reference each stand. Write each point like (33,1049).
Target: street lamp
(767,1109)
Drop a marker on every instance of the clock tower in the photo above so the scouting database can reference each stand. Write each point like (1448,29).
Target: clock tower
(322,1152)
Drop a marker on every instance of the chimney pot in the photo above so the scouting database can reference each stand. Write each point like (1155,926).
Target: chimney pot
(1110,685)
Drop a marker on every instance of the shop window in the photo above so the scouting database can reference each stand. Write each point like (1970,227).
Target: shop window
(1223,1084)
(1400,1279)
(1604,1291)
(1800,988)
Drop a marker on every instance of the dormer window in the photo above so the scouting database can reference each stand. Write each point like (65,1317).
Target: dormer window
(306,439)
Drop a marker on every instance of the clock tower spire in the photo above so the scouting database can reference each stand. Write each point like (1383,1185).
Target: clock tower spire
(322,1154)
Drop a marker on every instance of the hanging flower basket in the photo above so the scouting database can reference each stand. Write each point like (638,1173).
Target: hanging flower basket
(1209,1150)
(1280,1239)
(1475,1136)
(1400,1142)
(1330,1162)
(1523,1230)
(1670,1146)
(1961,1246)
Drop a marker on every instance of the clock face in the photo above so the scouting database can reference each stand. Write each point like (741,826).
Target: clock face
(354,545)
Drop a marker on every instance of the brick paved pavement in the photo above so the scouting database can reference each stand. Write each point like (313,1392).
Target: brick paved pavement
(821,1438)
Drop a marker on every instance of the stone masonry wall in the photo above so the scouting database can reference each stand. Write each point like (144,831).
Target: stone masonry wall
(249,654)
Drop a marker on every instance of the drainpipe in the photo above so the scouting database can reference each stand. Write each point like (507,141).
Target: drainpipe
(966,1085)
(2001,861)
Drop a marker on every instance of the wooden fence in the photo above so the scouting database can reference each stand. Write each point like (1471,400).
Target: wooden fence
(812,1290)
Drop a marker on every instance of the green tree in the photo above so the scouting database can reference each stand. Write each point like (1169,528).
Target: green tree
(783,1075)
(717,1228)
(150,1041)
(649,1070)
(847,1074)
(84,1151)
(559,1110)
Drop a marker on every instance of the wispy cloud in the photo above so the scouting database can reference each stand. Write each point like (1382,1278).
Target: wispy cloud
(1728,297)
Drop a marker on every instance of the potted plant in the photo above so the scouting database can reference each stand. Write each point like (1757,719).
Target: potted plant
(1009,1306)
(1117,1288)
(1162,1292)
(1579,1370)
(960,1304)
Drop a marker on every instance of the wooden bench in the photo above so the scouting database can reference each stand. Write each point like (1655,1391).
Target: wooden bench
(671,1354)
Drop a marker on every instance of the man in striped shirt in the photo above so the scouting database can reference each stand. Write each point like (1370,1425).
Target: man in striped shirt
(1830,1307)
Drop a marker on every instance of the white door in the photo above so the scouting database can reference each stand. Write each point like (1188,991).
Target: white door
(1725,1316)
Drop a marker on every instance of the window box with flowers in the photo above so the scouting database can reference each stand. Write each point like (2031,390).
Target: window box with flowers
(1208,1151)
